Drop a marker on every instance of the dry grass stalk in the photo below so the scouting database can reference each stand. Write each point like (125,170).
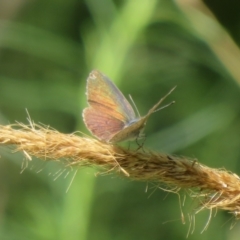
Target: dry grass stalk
(214,188)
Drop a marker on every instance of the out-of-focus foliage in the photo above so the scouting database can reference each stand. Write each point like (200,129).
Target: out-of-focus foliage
(47,49)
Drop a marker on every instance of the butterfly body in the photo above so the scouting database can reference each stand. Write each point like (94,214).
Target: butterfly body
(109,116)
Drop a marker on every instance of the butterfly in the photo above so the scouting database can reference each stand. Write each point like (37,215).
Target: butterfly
(109,116)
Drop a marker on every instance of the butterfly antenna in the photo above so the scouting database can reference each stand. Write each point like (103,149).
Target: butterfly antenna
(164,106)
(134,105)
(153,109)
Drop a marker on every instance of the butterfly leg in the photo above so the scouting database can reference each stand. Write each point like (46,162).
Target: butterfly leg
(140,145)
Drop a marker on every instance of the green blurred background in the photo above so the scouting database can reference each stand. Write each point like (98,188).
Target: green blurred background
(48,48)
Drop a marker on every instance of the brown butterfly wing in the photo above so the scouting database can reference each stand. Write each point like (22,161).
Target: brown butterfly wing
(104,96)
(100,124)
